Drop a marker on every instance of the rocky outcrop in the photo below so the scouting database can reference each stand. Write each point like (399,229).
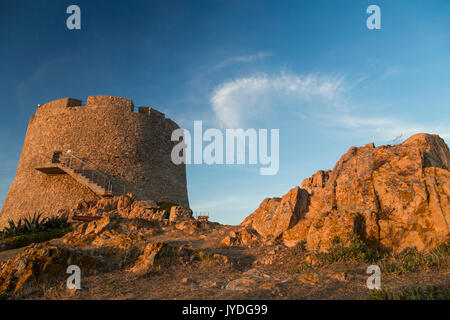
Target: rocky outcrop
(154,255)
(392,196)
(243,237)
(178,214)
(119,240)
(110,243)
(159,254)
(126,206)
(42,263)
(276,215)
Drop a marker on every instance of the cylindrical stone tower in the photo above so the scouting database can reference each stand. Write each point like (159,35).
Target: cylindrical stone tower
(103,140)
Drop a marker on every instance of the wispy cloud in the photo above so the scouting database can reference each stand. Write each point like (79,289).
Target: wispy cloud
(325,100)
(235,102)
(243,59)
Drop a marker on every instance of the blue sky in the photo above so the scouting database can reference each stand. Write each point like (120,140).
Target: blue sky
(309,68)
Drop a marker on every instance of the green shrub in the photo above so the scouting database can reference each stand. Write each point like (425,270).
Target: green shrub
(299,247)
(411,293)
(57,222)
(355,251)
(400,263)
(166,205)
(412,261)
(33,224)
(26,239)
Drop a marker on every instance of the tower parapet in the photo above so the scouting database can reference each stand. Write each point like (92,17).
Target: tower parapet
(110,101)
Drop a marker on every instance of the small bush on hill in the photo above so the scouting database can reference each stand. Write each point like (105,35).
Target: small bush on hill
(33,224)
(355,251)
(411,261)
(411,293)
(166,205)
(26,239)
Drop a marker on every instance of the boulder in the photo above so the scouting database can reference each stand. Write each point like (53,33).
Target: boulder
(179,213)
(340,276)
(309,278)
(42,263)
(243,237)
(153,256)
(393,197)
(275,215)
(189,226)
(107,204)
(124,204)
(146,209)
(99,226)
(255,279)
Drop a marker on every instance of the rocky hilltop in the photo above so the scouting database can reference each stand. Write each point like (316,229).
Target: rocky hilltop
(394,197)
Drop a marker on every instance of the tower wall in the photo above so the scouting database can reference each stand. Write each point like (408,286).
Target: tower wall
(133,148)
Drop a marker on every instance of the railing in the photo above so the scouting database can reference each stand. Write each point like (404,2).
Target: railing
(88,170)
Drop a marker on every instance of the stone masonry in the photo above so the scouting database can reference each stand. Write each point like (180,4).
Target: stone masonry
(133,148)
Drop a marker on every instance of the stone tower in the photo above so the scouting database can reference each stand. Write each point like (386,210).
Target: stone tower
(73,152)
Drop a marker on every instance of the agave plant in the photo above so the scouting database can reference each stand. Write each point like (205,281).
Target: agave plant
(15,228)
(33,224)
(57,222)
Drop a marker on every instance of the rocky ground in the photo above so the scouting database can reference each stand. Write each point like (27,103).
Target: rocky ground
(387,206)
(124,258)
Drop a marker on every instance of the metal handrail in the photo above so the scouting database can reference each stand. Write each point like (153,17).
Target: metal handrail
(69,159)
(84,162)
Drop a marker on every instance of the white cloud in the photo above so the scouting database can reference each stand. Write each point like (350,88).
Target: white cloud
(237,101)
(322,99)
(243,59)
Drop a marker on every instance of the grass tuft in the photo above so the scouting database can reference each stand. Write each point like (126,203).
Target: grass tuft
(300,247)
(411,293)
(355,251)
(412,261)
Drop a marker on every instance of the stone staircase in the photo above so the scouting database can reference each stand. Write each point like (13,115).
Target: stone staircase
(80,170)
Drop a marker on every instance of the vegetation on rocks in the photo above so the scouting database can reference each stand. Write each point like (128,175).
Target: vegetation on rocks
(299,247)
(33,229)
(355,251)
(412,261)
(157,250)
(396,196)
(26,239)
(33,224)
(166,205)
(412,293)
